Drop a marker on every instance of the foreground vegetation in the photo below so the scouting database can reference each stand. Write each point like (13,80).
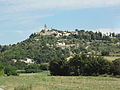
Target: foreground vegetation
(78,65)
(84,65)
(41,81)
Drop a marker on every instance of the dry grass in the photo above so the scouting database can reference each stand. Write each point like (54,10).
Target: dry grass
(43,82)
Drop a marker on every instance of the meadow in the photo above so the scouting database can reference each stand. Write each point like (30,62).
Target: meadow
(43,81)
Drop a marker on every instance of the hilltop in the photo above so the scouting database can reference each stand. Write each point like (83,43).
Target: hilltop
(49,44)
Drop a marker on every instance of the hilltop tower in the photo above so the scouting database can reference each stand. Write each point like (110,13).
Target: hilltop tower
(45,28)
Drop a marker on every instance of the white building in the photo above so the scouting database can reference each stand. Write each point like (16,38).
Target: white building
(27,60)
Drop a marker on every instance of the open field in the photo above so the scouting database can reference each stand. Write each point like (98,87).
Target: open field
(111,58)
(41,81)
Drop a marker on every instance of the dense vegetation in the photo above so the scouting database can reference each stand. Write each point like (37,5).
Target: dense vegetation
(46,48)
(10,70)
(116,67)
(81,65)
(84,65)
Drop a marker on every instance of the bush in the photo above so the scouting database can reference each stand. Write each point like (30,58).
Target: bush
(20,65)
(21,71)
(32,68)
(59,67)
(1,70)
(105,53)
(116,67)
(10,70)
(44,66)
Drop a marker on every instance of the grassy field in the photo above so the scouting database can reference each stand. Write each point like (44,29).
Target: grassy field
(41,81)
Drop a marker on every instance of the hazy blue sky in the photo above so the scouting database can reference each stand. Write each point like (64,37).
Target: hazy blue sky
(20,18)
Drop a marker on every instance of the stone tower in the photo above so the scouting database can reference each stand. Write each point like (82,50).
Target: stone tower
(45,28)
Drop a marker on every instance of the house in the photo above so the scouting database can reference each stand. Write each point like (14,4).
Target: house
(27,60)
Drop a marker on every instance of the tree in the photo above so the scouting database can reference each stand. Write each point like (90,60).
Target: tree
(116,67)
(76,64)
(80,65)
(10,70)
(20,65)
(44,66)
(105,53)
(59,67)
(32,68)
(89,65)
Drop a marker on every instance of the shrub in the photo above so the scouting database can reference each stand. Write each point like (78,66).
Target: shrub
(20,65)
(44,66)
(32,68)
(1,70)
(105,53)
(10,70)
(116,67)
(21,71)
(59,67)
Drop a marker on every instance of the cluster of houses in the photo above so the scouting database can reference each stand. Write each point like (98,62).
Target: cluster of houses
(26,60)
(56,33)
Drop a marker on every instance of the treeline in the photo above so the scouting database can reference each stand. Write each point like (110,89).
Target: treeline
(90,35)
(79,65)
(84,65)
(20,67)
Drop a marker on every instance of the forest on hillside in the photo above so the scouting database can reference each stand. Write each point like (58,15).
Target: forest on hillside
(42,49)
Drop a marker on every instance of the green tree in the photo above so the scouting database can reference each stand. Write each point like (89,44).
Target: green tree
(116,67)
(44,66)
(10,70)
(105,53)
(1,70)
(59,67)
(32,68)
(80,65)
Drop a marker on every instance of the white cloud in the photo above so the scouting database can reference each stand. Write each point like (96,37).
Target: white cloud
(23,16)
(23,20)
(28,31)
(21,5)
(10,9)
(23,31)
(13,12)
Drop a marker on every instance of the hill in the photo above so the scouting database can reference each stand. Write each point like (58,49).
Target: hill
(49,44)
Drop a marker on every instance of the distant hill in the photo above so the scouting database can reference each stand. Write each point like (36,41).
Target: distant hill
(49,44)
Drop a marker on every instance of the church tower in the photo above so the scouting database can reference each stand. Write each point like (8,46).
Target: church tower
(45,28)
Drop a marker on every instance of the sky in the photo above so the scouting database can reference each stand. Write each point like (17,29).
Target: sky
(20,18)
